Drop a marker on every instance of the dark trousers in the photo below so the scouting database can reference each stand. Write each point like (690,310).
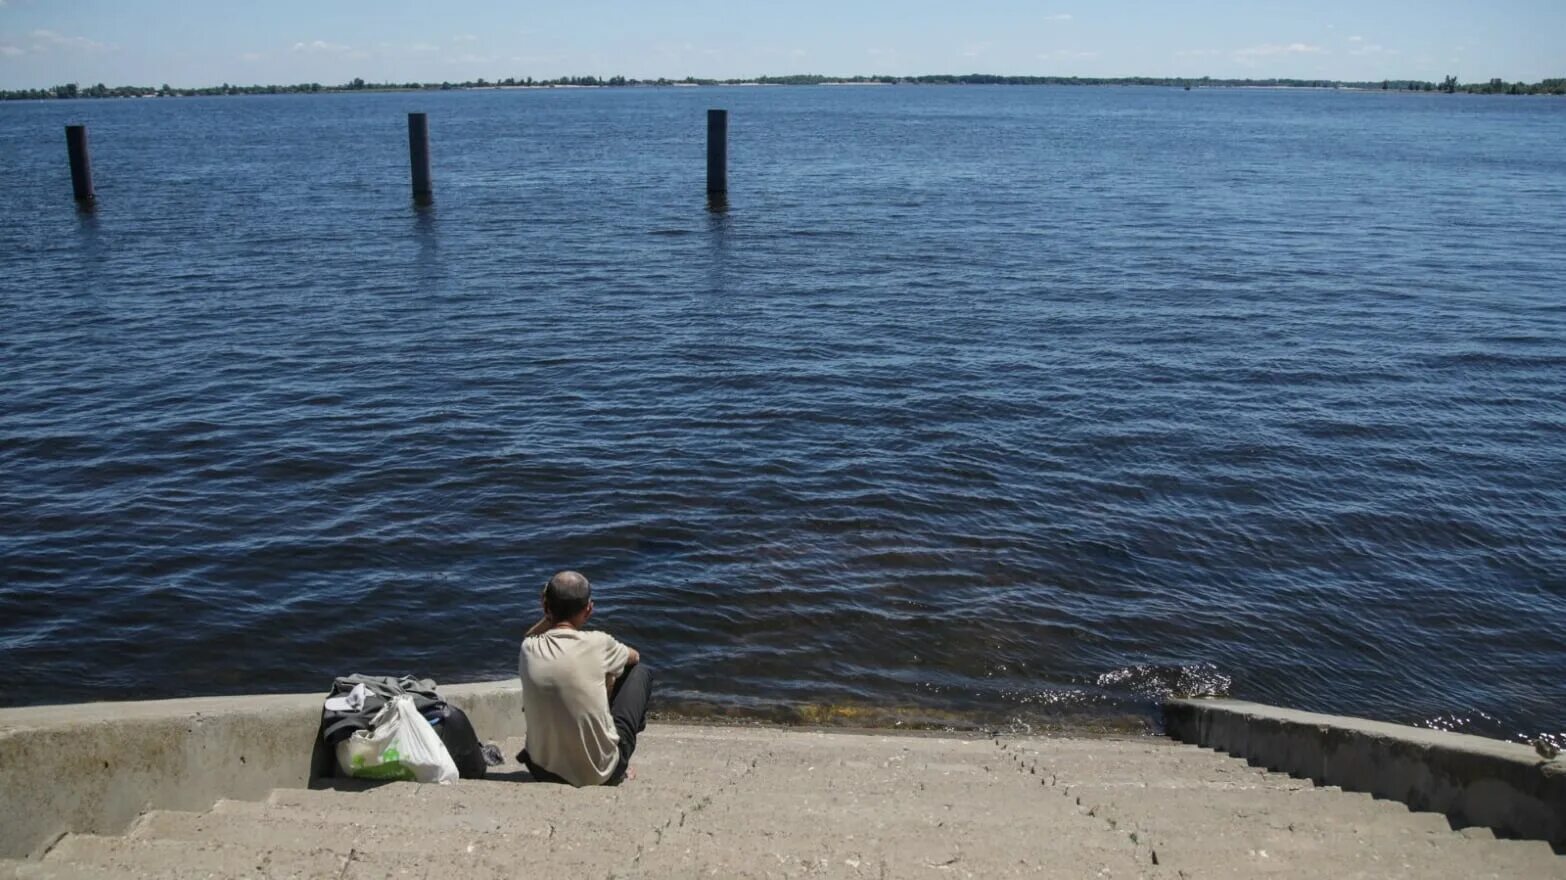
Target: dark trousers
(628,707)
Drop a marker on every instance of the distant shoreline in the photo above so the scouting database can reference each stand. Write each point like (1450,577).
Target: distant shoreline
(1449,85)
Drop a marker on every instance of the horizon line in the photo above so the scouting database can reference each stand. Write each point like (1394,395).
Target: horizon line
(591,80)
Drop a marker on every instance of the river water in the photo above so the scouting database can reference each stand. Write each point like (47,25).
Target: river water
(995,406)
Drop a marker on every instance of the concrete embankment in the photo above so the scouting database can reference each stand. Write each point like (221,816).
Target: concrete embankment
(1474,781)
(222,787)
(95,767)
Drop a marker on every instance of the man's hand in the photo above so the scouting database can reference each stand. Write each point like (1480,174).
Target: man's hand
(542,626)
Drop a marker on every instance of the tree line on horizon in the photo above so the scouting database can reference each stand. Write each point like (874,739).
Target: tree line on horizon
(1449,85)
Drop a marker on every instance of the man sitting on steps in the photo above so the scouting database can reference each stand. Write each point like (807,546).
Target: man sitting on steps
(585,694)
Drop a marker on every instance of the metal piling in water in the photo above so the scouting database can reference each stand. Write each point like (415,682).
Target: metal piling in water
(81,164)
(717,153)
(419,157)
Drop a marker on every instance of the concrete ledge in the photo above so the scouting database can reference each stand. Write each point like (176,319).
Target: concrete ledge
(95,767)
(1474,781)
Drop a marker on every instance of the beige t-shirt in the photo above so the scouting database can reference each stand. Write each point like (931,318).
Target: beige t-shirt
(569,731)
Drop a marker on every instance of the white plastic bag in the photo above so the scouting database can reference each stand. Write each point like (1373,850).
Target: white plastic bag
(400,744)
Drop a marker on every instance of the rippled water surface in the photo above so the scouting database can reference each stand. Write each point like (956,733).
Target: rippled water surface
(999,404)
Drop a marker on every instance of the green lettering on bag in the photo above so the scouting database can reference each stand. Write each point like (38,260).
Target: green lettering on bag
(389,766)
(393,771)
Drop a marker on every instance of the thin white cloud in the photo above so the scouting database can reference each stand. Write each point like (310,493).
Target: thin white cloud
(464,38)
(252,56)
(1372,49)
(44,40)
(1059,16)
(320,46)
(1356,39)
(1197,53)
(1267,50)
(9,51)
(1067,55)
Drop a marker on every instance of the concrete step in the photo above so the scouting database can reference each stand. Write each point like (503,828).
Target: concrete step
(1119,760)
(1213,829)
(1203,857)
(81,855)
(813,815)
(412,836)
(518,804)
(339,831)
(1214,814)
(1535,853)
(411,819)
(1098,775)
(1173,774)
(648,785)
(131,859)
(9,867)
(974,830)
(703,854)
(1308,807)
(795,830)
(766,803)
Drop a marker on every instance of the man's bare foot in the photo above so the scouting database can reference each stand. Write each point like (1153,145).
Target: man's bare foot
(630,773)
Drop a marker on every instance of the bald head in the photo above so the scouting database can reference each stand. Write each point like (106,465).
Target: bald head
(566,595)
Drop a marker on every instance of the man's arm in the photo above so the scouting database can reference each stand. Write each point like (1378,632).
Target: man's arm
(631,659)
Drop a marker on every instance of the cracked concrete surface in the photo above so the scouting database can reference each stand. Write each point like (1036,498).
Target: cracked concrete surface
(741,802)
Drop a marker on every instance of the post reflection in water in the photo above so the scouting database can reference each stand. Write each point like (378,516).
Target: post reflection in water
(720,225)
(93,246)
(426,258)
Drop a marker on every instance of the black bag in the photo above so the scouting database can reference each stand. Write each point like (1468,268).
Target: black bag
(337,726)
(456,732)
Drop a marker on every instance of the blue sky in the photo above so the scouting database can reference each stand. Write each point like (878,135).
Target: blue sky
(183,42)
